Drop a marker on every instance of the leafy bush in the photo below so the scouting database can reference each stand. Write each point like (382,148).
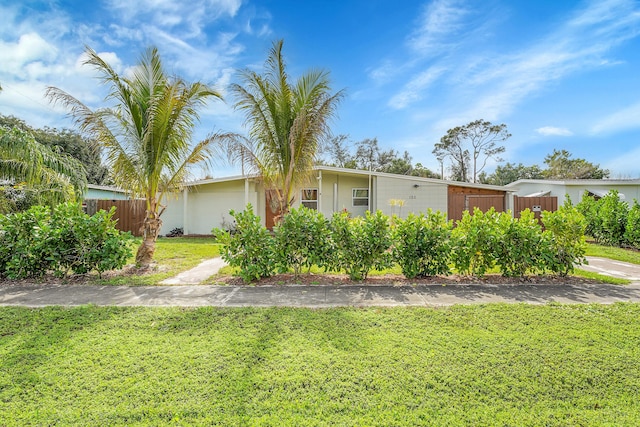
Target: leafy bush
(251,247)
(84,243)
(361,244)
(589,207)
(37,241)
(613,216)
(521,247)
(475,242)
(422,244)
(302,240)
(25,243)
(175,232)
(632,231)
(564,235)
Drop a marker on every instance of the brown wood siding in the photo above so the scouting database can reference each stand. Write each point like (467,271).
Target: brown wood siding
(129,214)
(466,198)
(548,203)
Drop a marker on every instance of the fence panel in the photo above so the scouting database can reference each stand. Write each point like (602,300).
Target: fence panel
(129,214)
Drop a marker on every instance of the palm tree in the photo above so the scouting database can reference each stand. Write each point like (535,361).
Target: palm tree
(286,124)
(49,176)
(146,135)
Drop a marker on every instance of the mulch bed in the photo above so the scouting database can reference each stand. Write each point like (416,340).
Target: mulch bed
(399,280)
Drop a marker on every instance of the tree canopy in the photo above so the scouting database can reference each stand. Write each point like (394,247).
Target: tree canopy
(369,156)
(146,135)
(469,147)
(33,171)
(510,172)
(85,150)
(560,165)
(287,121)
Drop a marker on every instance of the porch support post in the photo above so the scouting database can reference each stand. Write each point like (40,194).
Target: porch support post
(319,191)
(185,211)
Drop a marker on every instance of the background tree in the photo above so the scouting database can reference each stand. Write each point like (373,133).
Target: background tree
(369,155)
(146,135)
(560,165)
(336,152)
(510,172)
(287,123)
(471,146)
(67,141)
(31,172)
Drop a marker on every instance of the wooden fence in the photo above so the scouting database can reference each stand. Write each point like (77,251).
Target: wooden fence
(459,203)
(129,213)
(535,204)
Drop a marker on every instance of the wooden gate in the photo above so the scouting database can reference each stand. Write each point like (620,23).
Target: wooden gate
(535,204)
(467,198)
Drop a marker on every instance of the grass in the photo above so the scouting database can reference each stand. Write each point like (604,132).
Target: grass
(490,365)
(600,277)
(618,254)
(173,255)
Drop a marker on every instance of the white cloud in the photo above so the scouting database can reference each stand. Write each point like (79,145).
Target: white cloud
(553,131)
(440,20)
(30,47)
(582,43)
(416,88)
(625,119)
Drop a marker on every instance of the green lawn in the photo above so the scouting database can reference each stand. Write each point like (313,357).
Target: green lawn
(619,254)
(502,365)
(173,255)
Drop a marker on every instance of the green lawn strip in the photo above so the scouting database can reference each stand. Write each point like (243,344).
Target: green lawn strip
(497,364)
(619,254)
(173,256)
(600,277)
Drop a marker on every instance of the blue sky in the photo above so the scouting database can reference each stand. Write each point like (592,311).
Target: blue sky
(559,74)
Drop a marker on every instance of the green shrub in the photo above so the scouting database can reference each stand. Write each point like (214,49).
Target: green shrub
(564,237)
(422,244)
(613,216)
(85,243)
(251,247)
(521,246)
(475,241)
(25,243)
(632,230)
(37,241)
(302,239)
(361,244)
(589,207)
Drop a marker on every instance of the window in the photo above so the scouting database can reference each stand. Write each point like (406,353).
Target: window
(309,198)
(360,196)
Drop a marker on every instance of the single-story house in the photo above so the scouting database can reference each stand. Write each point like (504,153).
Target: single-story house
(205,204)
(628,189)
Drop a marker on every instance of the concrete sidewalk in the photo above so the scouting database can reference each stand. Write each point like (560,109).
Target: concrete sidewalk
(313,296)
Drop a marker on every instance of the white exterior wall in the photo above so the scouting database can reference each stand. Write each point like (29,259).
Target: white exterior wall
(416,199)
(576,190)
(209,204)
(345,184)
(172,217)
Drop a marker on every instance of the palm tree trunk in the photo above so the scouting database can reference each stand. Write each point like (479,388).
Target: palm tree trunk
(151,228)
